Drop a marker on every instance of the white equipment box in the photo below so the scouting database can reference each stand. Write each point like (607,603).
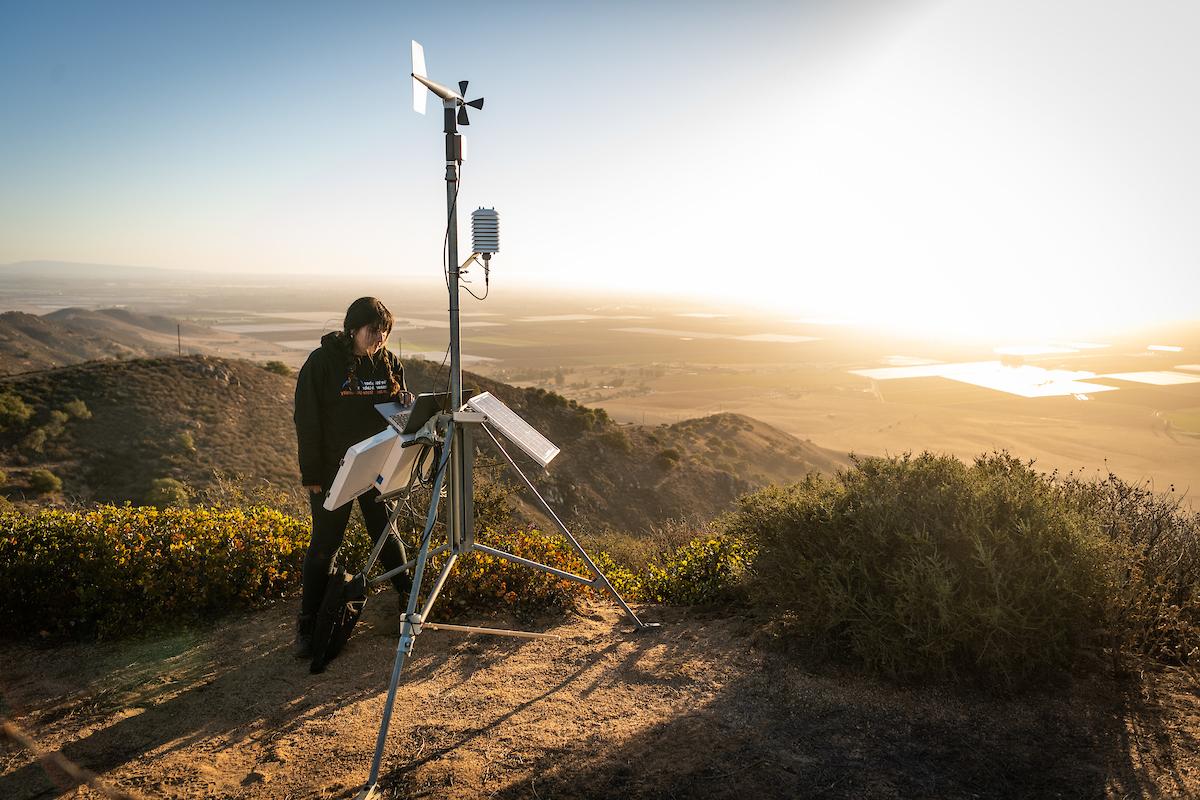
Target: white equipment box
(360,467)
(398,466)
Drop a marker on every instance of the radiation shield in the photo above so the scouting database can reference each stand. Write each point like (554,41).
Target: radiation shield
(360,467)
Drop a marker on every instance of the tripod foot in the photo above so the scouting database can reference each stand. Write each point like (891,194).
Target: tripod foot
(371,790)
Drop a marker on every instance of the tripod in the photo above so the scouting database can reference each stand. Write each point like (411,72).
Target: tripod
(454,431)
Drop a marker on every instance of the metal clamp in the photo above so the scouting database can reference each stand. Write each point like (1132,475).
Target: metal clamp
(429,433)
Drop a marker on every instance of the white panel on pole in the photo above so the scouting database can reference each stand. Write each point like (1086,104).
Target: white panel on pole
(360,466)
(398,467)
(515,429)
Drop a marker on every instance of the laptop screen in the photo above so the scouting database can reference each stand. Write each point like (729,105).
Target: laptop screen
(409,419)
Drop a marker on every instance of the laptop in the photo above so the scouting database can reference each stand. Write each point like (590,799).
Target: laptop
(409,419)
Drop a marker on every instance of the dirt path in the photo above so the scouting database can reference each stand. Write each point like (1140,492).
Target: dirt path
(692,710)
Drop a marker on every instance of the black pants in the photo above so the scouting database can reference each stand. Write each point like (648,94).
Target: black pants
(328,530)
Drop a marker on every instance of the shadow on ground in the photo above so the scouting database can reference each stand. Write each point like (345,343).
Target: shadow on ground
(691,711)
(780,734)
(234,686)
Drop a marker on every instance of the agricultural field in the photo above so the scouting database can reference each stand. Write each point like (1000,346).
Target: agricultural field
(1127,403)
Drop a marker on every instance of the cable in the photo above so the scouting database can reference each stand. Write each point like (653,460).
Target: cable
(435,499)
(446,256)
(446,238)
(447,389)
(486,286)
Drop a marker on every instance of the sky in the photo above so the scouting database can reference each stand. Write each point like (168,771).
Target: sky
(942,166)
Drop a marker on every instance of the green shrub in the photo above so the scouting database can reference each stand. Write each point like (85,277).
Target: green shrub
(34,441)
(115,571)
(234,490)
(78,409)
(627,582)
(483,581)
(1153,610)
(56,424)
(185,442)
(43,481)
(167,492)
(923,566)
(703,571)
(278,367)
(617,439)
(594,417)
(13,411)
(667,458)
(493,504)
(675,563)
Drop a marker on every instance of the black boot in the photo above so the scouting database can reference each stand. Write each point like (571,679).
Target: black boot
(304,631)
(402,583)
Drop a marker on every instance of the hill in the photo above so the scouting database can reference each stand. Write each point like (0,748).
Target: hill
(185,417)
(73,335)
(177,417)
(695,709)
(31,342)
(629,477)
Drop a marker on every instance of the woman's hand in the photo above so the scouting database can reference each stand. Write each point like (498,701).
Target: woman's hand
(406,398)
(314,488)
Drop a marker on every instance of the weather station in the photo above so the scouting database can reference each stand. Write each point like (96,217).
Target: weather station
(431,444)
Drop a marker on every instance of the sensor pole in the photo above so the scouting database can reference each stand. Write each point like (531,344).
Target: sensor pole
(460,494)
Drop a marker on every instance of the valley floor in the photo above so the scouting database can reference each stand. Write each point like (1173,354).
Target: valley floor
(693,709)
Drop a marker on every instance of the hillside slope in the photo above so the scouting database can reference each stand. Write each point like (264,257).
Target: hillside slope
(629,477)
(154,418)
(691,710)
(74,335)
(30,342)
(185,417)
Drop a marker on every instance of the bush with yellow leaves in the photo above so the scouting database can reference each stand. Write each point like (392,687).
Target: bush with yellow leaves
(119,570)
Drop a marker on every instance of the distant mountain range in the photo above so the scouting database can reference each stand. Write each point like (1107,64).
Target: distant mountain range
(185,417)
(72,270)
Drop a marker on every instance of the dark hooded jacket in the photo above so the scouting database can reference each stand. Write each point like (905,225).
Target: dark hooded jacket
(336,394)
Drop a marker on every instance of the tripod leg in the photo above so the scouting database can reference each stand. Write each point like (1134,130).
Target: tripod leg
(408,633)
(388,530)
(608,587)
(402,649)
(437,586)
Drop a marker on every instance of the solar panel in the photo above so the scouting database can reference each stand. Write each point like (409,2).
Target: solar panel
(515,429)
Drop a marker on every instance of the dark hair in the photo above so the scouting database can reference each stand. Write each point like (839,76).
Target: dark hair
(367,311)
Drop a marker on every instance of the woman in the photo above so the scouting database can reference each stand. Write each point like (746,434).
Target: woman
(336,393)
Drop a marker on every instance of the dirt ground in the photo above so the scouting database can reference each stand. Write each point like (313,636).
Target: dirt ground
(693,709)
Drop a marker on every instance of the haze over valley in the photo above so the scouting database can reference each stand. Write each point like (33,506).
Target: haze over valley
(1128,402)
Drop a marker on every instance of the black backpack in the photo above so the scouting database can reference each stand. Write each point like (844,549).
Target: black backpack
(345,598)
